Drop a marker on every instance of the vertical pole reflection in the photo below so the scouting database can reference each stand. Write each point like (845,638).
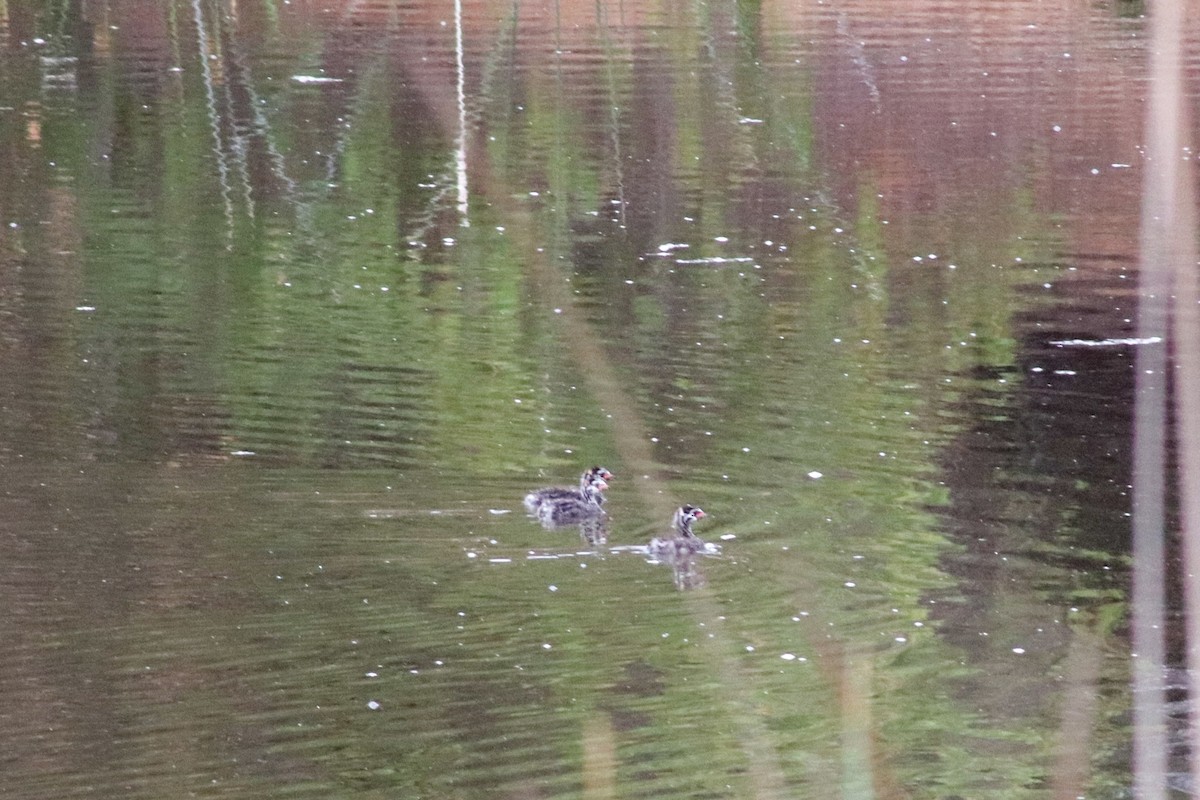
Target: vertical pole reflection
(1187,415)
(614,108)
(1185,328)
(460,151)
(1166,248)
(214,119)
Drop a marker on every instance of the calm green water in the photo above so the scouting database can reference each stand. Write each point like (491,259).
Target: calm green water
(297,300)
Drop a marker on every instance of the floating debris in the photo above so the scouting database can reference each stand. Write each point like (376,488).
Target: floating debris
(1127,342)
(317,79)
(715,260)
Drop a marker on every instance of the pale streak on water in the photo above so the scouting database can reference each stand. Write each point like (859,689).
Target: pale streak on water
(460,153)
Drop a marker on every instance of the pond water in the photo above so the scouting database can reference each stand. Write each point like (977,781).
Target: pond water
(299,299)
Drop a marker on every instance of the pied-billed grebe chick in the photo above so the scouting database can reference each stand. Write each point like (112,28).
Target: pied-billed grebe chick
(682,542)
(556,506)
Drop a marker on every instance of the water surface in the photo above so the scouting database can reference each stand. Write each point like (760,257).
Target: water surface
(297,300)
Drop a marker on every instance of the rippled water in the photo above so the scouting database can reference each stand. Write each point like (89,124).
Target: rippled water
(297,300)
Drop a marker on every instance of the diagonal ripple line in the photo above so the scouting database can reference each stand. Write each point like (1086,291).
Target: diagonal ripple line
(632,442)
(1159,248)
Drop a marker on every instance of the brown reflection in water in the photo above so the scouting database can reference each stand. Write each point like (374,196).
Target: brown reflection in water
(943,107)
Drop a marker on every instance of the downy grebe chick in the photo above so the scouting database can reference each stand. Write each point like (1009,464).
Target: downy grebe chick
(556,506)
(682,542)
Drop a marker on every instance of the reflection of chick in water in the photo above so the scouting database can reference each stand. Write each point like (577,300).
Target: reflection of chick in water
(557,506)
(680,548)
(594,530)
